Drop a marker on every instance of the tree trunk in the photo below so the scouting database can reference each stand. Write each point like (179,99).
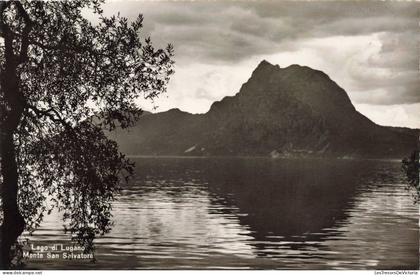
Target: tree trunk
(13,223)
(13,100)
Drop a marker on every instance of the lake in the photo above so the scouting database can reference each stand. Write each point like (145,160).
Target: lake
(258,213)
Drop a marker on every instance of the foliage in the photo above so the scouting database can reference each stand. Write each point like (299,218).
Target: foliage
(76,79)
(410,166)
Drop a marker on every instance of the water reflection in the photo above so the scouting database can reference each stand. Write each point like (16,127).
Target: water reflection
(256,213)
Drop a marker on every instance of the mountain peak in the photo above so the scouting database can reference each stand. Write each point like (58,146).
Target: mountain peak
(264,63)
(265,67)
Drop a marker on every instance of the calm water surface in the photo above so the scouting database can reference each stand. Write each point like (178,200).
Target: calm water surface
(254,213)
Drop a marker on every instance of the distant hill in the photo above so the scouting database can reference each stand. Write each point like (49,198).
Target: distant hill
(280,112)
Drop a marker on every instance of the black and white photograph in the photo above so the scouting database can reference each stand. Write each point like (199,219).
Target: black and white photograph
(209,135)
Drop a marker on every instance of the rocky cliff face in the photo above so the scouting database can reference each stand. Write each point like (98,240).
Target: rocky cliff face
(283,112)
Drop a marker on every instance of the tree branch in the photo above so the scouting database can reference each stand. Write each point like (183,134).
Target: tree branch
(23,55)
(23,12)
(53,117)
(3,28)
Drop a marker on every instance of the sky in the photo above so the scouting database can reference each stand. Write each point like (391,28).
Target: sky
(371,49)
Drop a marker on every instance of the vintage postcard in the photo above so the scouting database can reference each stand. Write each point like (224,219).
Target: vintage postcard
(204,135)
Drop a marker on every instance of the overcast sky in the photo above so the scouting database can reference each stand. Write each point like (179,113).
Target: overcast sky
(371,49)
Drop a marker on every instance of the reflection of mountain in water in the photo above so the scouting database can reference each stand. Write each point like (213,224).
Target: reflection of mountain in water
(291,199)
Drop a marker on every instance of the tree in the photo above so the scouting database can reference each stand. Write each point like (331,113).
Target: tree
(410,166)
(64,81)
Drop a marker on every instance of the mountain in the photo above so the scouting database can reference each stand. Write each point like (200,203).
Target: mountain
(283,112)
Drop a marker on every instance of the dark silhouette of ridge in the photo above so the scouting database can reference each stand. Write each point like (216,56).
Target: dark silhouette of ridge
(280,112)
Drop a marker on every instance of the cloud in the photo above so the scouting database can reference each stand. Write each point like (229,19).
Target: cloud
(230,31)
(391,65)
(396,115)
(217,27)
